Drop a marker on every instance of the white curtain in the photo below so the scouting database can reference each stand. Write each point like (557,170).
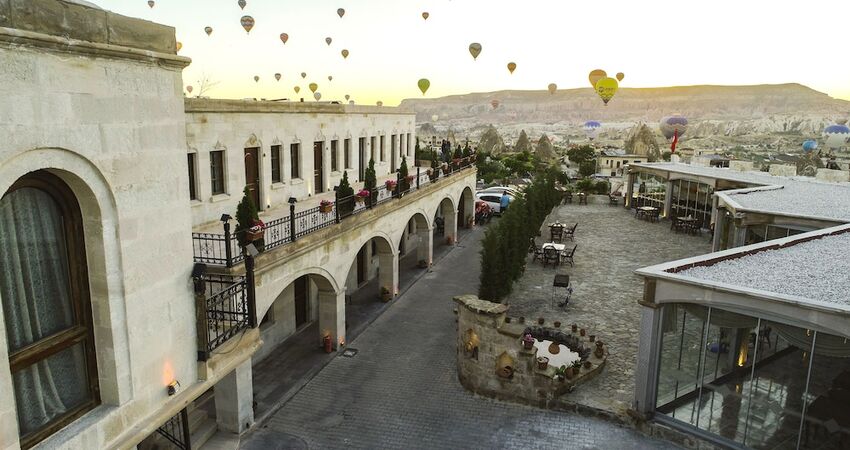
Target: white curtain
(825,345)
(36,301)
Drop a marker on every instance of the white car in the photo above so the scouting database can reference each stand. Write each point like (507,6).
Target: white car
(499,189)
(494,199)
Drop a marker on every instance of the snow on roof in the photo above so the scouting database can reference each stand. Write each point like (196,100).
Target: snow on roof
(815,269)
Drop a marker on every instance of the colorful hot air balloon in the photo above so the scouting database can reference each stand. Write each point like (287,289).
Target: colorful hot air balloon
(606,88)
(242,4)
(591,129)
(810,145)
(620,76)
(303,74)
(317,95)
(475,50)
(284,37)
(340,12)
(836,136)
(189,89)
(511,67)
(151,3)
(424,84)
(595,76)
(552,88)
(208,30)
(347,97)
(425,15)
(256,78)
(495,103)
(379,103)
(297,89)
(179,45)
(344,53)
(330,78)
(672,126)
(313,87)
(351,102)
(247,23)
(434,118)
(277,76)
(328,40)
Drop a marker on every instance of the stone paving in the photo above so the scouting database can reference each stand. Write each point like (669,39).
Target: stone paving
(611,245)
(401,389)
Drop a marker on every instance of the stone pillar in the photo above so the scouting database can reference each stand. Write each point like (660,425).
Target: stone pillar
(646,372)
(740,236)
(388,273)
(719,230)
(451,225)
(234,398)
(425,249)
(332,317)
(630,184)
(668,199)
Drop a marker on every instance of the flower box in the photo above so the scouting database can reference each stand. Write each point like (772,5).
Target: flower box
(410,178)
(326,206)
(391,184)
(256,232)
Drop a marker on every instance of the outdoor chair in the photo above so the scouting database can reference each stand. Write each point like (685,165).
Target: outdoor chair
(613,200)
(568,197)
(535,250)
(441,226)
(571,233)
(551,255)
(556,233)
(568,257)
(675,225)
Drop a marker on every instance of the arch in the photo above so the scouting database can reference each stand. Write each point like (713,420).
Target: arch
(466,207)
(253,141)
(324,279)
(102,242)
(421,218)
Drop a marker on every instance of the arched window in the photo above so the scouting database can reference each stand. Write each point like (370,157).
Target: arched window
(46,306)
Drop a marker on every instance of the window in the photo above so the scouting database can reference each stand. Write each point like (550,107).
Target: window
(334,155)
(409,145)
(373,144)
(393,146)
(346,148)
(193,191)
(276,164)
(46,305)
(383,141)
(294,160)
(217,171)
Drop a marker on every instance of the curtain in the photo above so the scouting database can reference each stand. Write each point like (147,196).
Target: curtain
(35,293)
(825,345)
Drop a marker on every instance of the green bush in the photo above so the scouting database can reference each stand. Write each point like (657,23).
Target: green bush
(246,216)
(403,185)
(602,187)
(585,185)
(344,196)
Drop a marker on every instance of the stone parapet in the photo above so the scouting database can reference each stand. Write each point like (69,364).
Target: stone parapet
(208,105)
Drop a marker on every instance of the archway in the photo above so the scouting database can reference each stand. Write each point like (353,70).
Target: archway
(415,249)
(445,223)
(372,280)
(466,209)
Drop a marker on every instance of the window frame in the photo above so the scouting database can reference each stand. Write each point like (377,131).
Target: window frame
(220,176)
(383,139)
(192,162)
(295,160)
(335,155)
(276,164)
(346,150)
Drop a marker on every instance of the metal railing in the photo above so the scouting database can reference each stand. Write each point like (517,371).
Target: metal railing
(176,430)
(225,308)
(223,249)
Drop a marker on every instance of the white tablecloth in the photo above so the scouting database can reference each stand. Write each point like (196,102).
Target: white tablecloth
(555,245)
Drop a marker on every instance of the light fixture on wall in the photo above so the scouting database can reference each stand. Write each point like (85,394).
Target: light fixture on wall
(173,388)
(292,200)
(225,218)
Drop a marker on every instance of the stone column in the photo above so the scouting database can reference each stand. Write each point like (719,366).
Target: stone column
(234,398)
(630,183)
(740,235)
(668,199)
(451,225)
(719,229)
(425,249)
(646,372)
(388,273)
(332,317)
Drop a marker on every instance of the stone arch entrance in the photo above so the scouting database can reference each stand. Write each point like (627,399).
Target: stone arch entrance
(466,208)
(445,222)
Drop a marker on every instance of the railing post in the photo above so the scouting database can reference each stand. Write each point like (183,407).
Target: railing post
(228,252)
(292,222)
(249,287)
(372,194)
(184,422)
(417,177)
(336,209)
(201,319)
(398,183)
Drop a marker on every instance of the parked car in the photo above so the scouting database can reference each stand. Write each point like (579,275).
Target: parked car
(493,199)
(499,189)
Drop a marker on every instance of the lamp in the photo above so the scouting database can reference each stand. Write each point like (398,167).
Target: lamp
(173,388)
(198,272)
(252,250)
(225,218)
(292,200)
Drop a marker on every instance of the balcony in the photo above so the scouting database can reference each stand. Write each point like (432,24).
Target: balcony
(225,306)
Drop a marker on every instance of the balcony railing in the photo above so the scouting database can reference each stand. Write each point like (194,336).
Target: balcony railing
(176,430)
(225,308)
(223,249)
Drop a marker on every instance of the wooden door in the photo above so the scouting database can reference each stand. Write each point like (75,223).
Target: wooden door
(393,147)
(302,299)
(252,175)
(318,167)
(361,266)
(363,161)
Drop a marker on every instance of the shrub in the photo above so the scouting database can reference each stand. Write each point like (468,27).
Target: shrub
(602,187)
(344,196)
(369,179)
(402,175)
(585,185)
(246,216)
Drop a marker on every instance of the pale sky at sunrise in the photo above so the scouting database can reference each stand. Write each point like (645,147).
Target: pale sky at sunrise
(655,43)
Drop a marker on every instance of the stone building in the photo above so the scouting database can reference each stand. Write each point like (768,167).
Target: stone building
(124,300)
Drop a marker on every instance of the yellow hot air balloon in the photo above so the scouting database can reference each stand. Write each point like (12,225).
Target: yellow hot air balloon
(344,53)
(552,88)
(606,88)
(256,78)
(247,23)
(340,12)
(425,15)
(620,76)
(313,87)
(475,50)
(303,74)
(317,95)
(179,45)
(328,40)
(424,84)
(189,89)
(434,118)
(208,30)
(511,67)
(297,89)
(596,75)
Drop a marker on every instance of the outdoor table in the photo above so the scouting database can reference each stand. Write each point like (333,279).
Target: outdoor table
(645,212)
(689,222)
(555,245)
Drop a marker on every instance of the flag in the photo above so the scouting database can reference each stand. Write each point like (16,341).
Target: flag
(675,141)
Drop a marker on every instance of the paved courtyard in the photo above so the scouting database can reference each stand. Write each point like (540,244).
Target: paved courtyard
(611,245)
(401,389)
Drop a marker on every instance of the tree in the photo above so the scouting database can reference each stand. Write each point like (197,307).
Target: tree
(344,196)
(416,153)
(544,151)
(587,168)
(370,181)
(581,154)
(205,85)
(246,216)
(402,175)
(522,144)
(491,142)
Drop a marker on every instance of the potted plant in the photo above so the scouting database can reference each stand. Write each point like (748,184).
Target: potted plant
(507,320)
(569,372)
(600,350)
(257,230)
(592,338)
(369,180)
(423,264)
(542,362)
(587,364)
(574,327)
(386,295)
(403,175)
(557,324)
(326,206)
(390,184)
(540,321)
(249,227)
(561,373)
(527,341)
(582,332)
(362,195)
(344,192)
(576,366)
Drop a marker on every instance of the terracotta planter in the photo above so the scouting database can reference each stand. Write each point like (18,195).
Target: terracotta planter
(542,362)
(540,321)
(592,338)
(574,327)
(326,208)
(507,320)
(570,373)
(587,365)
(557,324)
(599,353)
(582,332)
(252,236)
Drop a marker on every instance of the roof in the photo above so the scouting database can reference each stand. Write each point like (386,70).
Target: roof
(208,105)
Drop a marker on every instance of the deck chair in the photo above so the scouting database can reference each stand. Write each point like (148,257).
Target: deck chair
(568,257)
(534,249)
(551,255)
(570,233)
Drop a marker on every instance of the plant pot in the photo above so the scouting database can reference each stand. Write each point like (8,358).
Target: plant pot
(528,345)
(326,208)
(386,296)
(592,338)
(599,353)
(557,324)
(252,236)
(582,332)
(540,321)
(570,373)
(599,344)
(574,327)
(587,365)
(423,264)
(521,319)
(542,362)
(507,320)
(449,240)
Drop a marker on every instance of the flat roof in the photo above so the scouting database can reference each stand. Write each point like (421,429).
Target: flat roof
(213,105)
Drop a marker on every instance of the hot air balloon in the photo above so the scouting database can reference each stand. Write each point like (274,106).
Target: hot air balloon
(303,74)
(810,145)
(595,76)
(379,103)
(511,67)
(179,45)
(552,88)
(189,89)
(344,53)
(606,88)
(242,4)
(151,3)
(351,102)
(474,50)
(620,76)
(340,12)
(434,118)
(256,78)
(836,136)
(495,103)
(328,40)
(208,30)
(297,89)
(330,78)
(425,15)
(673,127)
(277,76)
(317,95)
(284,37)
(591,129)
(347,97)
(247,23)
(424,84)
(313,87)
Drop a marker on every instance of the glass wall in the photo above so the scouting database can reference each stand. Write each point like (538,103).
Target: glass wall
(761,233)
(753,381)
(649,190)
(690,198)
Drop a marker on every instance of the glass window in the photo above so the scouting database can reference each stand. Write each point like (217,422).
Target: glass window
(373,146)
(217,171)
(649,190)
(193,191)
(346,148)
(295,160)
(334,156)
(409,145)
(383,141)
(46,306)
(276,164)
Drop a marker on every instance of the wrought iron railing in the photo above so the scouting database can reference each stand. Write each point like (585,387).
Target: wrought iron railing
(224,250)
(225,308)
(176,430)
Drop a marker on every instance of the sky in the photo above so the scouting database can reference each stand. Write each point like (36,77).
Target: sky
(653,42)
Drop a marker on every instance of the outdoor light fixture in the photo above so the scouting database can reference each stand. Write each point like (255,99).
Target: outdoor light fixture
(225,217)
(173,388)
(292,200)
(252,250)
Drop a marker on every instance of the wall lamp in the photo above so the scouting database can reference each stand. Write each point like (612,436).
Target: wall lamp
(225,218)
(173,388)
